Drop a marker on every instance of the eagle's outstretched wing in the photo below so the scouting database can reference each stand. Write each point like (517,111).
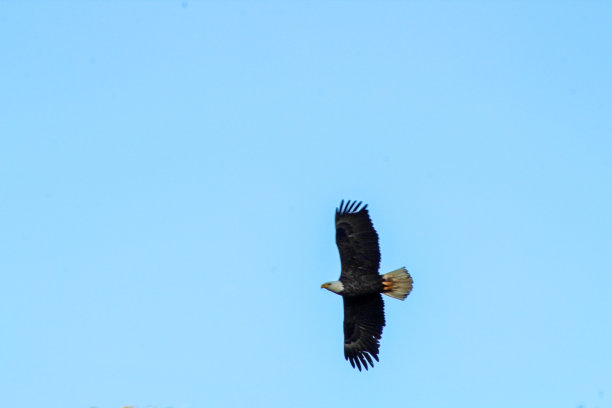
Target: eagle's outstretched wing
(357,241)
(364,319)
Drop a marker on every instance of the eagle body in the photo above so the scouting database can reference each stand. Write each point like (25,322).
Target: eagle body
(360,284)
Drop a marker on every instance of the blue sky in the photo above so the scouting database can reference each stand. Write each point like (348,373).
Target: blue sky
(169,173)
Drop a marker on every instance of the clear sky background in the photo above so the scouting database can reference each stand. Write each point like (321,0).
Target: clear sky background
(169,173)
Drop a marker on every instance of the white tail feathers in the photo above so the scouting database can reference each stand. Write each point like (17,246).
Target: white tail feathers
(397,283)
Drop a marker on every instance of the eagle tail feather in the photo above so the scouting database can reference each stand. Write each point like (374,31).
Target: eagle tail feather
(397,284)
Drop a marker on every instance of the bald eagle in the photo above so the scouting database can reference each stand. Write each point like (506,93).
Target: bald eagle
(361,286)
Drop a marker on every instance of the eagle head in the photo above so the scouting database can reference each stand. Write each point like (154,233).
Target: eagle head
(335,287)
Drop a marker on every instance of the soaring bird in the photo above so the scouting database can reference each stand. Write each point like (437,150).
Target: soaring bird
(361,286)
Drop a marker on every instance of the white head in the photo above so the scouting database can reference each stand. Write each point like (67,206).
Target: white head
(335,287)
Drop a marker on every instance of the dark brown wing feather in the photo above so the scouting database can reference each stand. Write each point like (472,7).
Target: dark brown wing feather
(364,319)
(357,241)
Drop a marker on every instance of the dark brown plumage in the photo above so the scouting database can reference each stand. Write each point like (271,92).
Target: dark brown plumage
(360,284)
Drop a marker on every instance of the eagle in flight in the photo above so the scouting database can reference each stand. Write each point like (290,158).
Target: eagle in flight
(361,286)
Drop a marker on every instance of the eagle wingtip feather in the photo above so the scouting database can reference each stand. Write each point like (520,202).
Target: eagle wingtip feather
(350,207)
